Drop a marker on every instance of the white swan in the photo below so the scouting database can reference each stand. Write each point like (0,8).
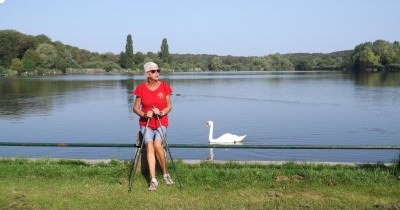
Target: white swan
(226,138)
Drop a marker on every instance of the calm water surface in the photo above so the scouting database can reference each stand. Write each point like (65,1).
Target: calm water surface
(290,108)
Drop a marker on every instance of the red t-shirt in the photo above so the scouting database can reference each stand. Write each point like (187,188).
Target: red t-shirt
(156,98)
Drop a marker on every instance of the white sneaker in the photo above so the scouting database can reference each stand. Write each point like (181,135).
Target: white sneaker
(168,179)
(153,184)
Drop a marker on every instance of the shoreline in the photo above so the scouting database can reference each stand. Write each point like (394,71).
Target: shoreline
(194,161)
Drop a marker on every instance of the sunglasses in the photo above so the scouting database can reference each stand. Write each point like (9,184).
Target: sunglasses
(154,71)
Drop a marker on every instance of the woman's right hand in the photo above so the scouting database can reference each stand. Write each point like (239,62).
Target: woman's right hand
(149,114)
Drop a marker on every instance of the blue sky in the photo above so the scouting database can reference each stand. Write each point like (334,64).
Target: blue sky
(221,27)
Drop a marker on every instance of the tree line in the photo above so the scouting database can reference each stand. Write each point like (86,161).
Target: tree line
(23,54)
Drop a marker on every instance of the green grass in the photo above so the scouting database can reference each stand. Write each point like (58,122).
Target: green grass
(64,184)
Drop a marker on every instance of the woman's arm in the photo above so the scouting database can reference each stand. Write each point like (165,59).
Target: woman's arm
(164,111)
(168,108)
(136,107)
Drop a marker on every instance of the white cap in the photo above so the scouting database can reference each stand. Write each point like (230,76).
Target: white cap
(150,66)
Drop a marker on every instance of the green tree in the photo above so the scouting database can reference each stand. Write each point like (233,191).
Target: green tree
(16,65)
(39,39)
(129,57)
(150,56)
(164,55)
(368,58)
(364,58)
(69,60)
(48,55)
(279,62)
(13,45)
(396,49)
(30,61)
(139,58)
(122,61)
(384,50)
(64,58)
(215,64)
(61,64)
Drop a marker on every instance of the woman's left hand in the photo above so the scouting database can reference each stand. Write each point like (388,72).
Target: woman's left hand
(156,110)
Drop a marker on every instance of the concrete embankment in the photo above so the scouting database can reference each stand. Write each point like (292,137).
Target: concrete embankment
(251,162)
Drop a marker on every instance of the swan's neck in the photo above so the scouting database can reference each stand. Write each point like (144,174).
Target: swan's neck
(210,135)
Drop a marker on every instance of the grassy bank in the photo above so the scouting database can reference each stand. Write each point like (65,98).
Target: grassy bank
(65,184)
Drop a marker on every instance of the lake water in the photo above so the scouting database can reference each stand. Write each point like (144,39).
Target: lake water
(283,108)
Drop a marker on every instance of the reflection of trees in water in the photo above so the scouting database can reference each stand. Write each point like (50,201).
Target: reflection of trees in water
(130,85)
(35,96)
(377,79)
(19,107)
(23,97)
(20,97)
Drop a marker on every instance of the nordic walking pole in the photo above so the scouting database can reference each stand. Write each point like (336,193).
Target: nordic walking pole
(135,161)
(164,136)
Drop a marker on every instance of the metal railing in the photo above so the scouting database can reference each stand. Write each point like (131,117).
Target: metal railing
(210,146)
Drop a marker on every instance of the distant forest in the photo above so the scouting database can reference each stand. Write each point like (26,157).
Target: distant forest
(22,55)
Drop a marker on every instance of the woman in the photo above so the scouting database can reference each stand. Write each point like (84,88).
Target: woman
(153,103)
